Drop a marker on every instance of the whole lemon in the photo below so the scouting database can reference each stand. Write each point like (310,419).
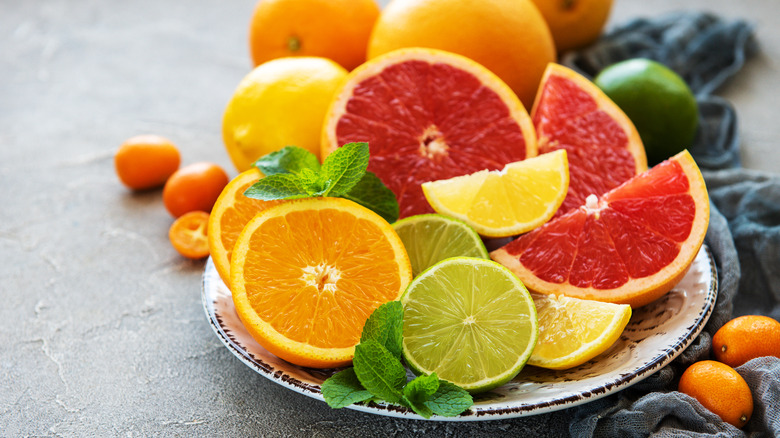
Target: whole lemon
(280,103)
(658,102)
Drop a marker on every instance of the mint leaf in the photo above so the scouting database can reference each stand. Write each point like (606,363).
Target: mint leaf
(312,182)
(343,388)
(379,371)
(385,326)
(279,186)
(370,192)
(344,167)
(449,400)
(290,159)
(418,391)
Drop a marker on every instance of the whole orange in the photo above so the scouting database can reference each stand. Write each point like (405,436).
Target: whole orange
(745,338)
(509,37)
(194,187)
(719,388)
(574,23)
(334,29)
(146,161)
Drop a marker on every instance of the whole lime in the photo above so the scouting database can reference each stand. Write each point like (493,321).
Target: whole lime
(658,102)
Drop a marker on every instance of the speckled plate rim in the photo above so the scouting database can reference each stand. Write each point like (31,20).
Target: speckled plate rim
(697,293)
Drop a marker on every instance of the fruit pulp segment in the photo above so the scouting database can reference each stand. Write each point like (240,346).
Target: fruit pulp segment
(317,275)
(429,239)
(243,210)
(636,233)
(567,324)
(467,326)
(567,117)
(429,121)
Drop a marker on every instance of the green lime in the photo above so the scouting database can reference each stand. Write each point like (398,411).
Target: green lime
(431,238)
(658,102)
(469,320)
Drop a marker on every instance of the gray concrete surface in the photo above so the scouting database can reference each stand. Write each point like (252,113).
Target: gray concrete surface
(102,332)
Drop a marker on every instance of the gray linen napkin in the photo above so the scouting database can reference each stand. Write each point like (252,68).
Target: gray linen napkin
(744,232)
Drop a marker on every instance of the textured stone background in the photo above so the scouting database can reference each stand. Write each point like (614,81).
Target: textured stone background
(102,331)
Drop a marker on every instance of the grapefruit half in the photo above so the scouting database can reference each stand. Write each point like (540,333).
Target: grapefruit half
(630,246)
(428,115)
(603,146)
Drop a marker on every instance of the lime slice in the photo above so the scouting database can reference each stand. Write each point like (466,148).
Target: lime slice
(573,331)
(469,320)
(431,238)
(520,197)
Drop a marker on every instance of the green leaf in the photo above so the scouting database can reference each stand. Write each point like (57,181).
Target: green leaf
(385,326)
(379,371)
(290,159)
(312,182)
(343,389)
(344,167)
(449,400)
(370,192)
(419,391)
(279,186)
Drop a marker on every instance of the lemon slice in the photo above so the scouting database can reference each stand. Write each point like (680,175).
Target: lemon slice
(520,197)
(573,331)
(469,320)
(431,238)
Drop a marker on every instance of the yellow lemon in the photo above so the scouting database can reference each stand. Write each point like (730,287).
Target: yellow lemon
(280,103)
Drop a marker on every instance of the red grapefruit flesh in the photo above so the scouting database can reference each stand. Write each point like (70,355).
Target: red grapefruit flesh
(631,246)
(428,115)
(602,144)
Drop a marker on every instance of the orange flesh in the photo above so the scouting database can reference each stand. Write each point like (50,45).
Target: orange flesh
(234,219)
(316,276)
(636,230)
(567,116)
(429,121)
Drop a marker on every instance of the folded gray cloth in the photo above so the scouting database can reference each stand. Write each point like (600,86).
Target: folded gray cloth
(744,232)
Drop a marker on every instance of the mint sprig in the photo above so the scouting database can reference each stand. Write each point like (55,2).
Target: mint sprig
(378,373)
(294,172)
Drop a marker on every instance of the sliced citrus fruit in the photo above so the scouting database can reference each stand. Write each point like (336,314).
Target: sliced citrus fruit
(518,198)
(428,115)
(228,217)
(188,234)
(431,238)
(574,331)
(470,321)
(306,274)
(630,246)
(604,148)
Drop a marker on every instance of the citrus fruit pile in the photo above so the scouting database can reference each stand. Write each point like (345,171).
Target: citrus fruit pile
(377,157)
(715,383)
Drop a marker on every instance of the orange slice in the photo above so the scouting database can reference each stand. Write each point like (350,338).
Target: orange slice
(228,217)
(603,146)
(630,246)
(428,115)
(306,274)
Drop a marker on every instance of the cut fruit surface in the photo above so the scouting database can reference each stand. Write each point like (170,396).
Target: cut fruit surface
(228,217)
(519,198)
(428,115)
(574,331)
(604,148)
(431,238)
(630,246)
(306,274)
(470,321)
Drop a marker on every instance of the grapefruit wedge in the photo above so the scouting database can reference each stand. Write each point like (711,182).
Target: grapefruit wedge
(603,146)
(630,246)
(428,115)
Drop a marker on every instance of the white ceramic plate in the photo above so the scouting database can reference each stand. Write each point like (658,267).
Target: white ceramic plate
(656,334)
